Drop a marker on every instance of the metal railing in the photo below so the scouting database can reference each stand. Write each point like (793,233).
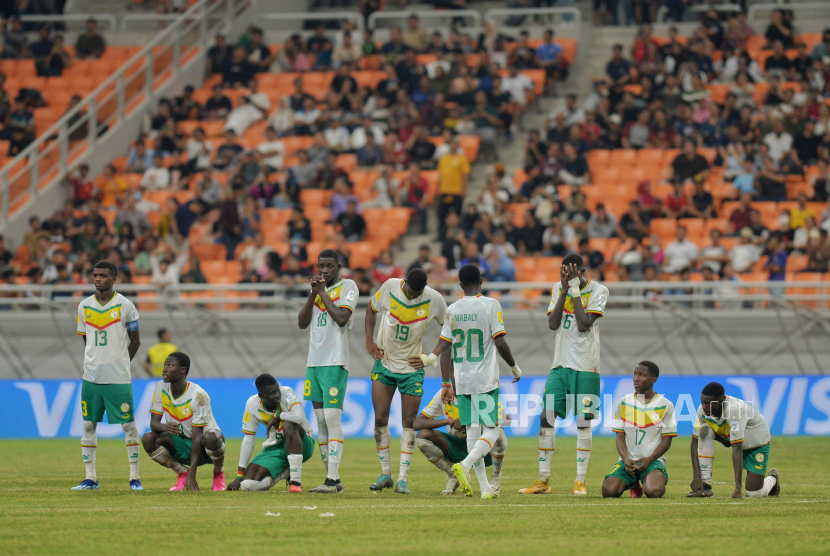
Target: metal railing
(709,296)
(563,17)
(429,20)
(74,136)
(802,11)
(106,22)
(692,13)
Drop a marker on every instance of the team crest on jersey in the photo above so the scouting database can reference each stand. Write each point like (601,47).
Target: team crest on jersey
(333,294)
(655,417)
(419,312)
(125,407)
(185,410)
(759,458)
(333,391)
(114,314)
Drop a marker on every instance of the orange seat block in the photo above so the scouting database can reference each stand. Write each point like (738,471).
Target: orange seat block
(663,228)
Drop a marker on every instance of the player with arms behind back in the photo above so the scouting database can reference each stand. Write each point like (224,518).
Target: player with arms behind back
(473,331)
(645,425)
(576,304)
(289,442)
(406,307)
(189,437)
(108,323)
(328,311)
(736,424)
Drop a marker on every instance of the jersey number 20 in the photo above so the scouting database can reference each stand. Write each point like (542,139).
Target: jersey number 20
(473,335)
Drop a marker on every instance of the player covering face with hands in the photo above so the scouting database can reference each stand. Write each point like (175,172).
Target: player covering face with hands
(472,333)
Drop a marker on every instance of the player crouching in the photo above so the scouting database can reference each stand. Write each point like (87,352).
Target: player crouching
(289,442)
(190,436)
(645,425)
(443,449)
(736,424)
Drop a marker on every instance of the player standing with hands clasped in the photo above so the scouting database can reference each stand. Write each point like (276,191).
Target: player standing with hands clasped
(576,303)
(108,323)
(328,311)
(405,307)
(473,331)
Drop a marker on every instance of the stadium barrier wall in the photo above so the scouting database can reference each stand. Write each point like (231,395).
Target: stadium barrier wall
(793,405)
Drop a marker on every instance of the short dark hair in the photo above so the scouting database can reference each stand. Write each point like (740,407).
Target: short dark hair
(182,359)
(264,380)
(469,275)
(713,390)
(417,279)
(329,254)
(161,332)
(109,266)
(574,258)
(653,369)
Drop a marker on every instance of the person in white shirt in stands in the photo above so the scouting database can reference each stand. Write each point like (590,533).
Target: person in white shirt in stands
(198,151)
(573,113)
(715,255)
(336,135)
(271,151)
(157,177)
(252,107)
(518,85)
(386,186)
(254,258)
(679,254)
(779,141)
(358,138)
(166,272)
(282,119)
(745,254)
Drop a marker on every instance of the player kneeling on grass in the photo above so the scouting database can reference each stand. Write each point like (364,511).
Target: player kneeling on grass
(735,423)
(443,449)
(645,425)
(190,436)
(289,442)
(473,331)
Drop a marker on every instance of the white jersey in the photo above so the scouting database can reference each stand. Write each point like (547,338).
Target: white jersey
(644,425)
(403,322)
(256,414)
(329,345)
(106,355)
(470,325)
(574,349)
(191,409)
(740,421)
(437,409)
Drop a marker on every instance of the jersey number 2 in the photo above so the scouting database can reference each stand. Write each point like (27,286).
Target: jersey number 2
(458,345)
(100,338)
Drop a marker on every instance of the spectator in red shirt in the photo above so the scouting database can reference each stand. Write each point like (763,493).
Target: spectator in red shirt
(741,216)
(82,186)
(677,203)
(414,194)
(385,269)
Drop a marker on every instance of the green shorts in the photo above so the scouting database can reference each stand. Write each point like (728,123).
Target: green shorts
(184,449)
(116,399)
(757,459)
(566,385)
(326,385)
(275,458)
(618,471)
(458,450)
(410,384)
(480,409)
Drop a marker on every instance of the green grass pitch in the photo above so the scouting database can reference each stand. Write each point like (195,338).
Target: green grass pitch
(40,515)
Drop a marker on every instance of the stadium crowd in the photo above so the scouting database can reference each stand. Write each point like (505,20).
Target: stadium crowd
(742,117)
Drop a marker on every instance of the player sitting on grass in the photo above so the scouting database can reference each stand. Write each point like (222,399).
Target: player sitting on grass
(473,331)
(443,449)
(289,442)
(406,308)
(645,425)
(190,436)
(735,423)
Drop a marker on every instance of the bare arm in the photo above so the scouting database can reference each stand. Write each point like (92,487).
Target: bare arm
(584,321)
(738,465)
(369,329)
(423,423)
(622,450)
(504,350)
(446,364)
(135,342)
(697,483)
(555,316)
(245,452)
(195,454)
(304,318)
(339,315)
(662,448)
(156,425)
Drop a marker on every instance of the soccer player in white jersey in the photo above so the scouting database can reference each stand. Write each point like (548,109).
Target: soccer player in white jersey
(289,441)
(736,424)
(473,331)
(645,425)
(328,311)
(189,437)
(406,308)
(574,381)
(443,449)
(108,324)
